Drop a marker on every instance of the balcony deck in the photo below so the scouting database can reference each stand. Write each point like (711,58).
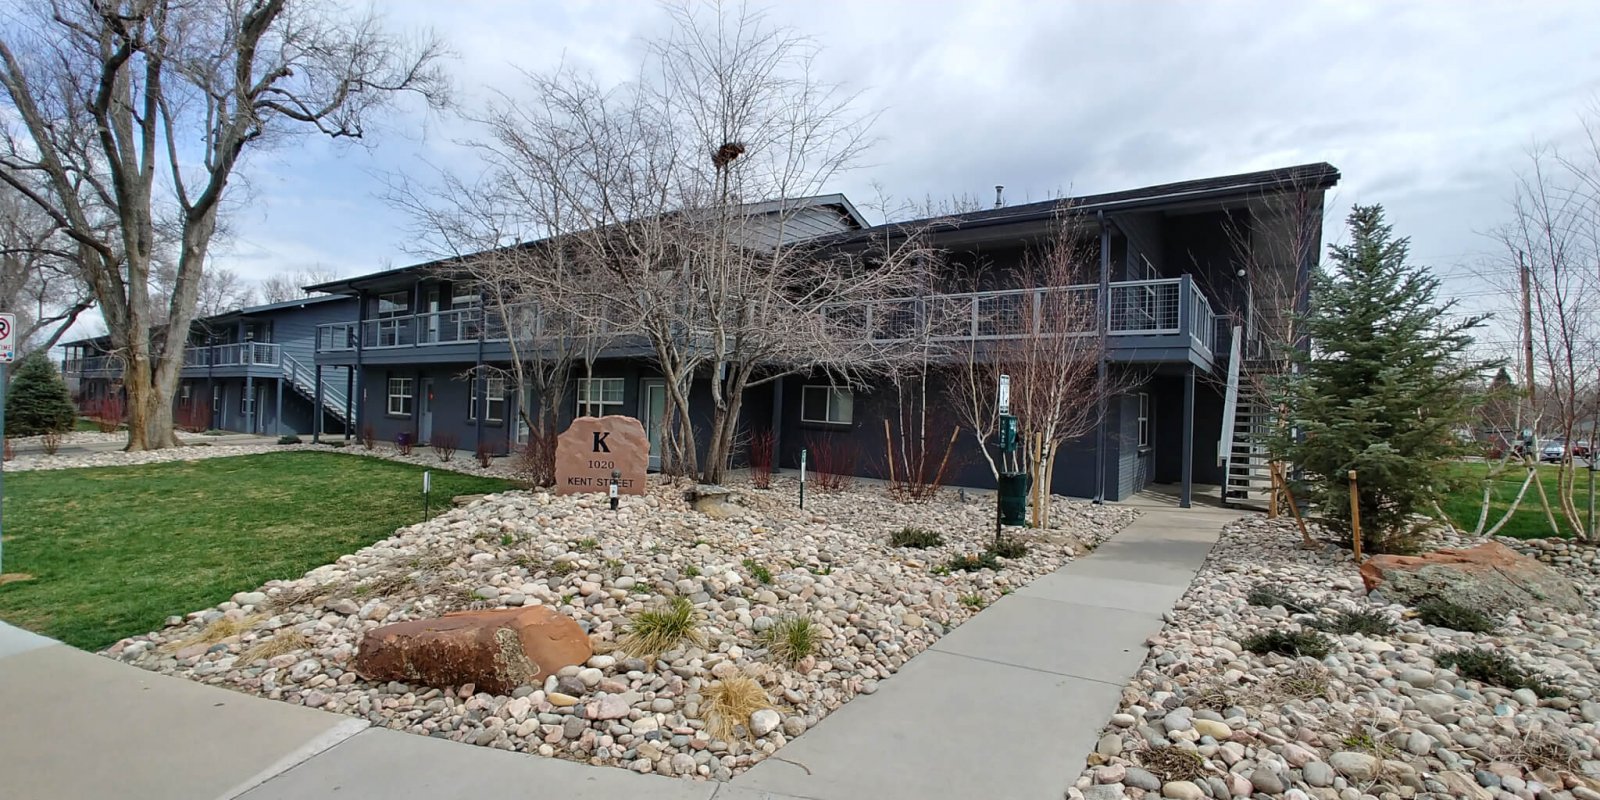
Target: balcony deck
(260,359)
(1165,320)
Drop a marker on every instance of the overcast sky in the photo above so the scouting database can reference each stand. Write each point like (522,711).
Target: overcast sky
(1427,108)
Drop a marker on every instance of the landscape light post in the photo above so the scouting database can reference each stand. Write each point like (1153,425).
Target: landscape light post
(802,478)
(616,474)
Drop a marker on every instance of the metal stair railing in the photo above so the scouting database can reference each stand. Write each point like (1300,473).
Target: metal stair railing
(304,379)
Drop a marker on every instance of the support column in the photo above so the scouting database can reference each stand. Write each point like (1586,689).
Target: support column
(249,401)
(278,406)
(1188,438)
(1104,322)
(316,415)
(349,400)
(777,423)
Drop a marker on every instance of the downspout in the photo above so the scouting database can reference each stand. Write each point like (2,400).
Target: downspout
(1104,332)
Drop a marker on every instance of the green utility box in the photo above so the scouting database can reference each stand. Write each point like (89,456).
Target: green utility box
(1014,497)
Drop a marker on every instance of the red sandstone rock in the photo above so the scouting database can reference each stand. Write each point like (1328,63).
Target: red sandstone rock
(497,650)
(591,448)
(1491,577)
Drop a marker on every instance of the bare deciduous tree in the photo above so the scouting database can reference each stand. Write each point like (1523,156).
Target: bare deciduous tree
(129,118)
(285,286)
(39,280)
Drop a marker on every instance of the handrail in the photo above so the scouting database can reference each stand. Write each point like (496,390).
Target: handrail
(1230,404)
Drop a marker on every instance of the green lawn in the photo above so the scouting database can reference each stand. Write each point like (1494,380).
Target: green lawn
(1529,521)
(115,550)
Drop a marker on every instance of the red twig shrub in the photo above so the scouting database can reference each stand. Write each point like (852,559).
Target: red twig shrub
(445,445)
(761,446)
(108,412)
(916,467)
(50,441)
(536,460)
(10,452)
(833,463)
(194,416)
(484,453)
(369,437)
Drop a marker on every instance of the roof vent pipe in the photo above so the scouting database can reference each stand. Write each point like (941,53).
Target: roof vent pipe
(999,195)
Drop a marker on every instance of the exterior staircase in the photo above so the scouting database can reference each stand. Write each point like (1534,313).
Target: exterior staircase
(304,381)
(1246,421)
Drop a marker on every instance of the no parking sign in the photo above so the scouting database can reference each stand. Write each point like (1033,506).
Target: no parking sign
(8,348)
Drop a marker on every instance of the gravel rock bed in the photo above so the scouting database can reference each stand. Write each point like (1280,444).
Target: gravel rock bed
(873,607)
(463,462)
(1378,717)
(72,437)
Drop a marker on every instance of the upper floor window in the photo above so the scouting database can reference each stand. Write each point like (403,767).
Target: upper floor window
(394,304)
(596,394)
(831,405)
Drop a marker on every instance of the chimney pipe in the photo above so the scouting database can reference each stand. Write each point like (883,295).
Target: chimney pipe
(999,195)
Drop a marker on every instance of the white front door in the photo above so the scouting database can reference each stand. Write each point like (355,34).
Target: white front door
(425,412)
(652,407)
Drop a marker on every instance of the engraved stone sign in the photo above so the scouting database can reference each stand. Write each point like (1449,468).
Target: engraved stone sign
(589,449)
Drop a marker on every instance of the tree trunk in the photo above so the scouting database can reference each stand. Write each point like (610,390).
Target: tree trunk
(724,425)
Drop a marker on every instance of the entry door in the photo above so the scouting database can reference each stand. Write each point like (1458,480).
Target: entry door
(425,412)
(652,407)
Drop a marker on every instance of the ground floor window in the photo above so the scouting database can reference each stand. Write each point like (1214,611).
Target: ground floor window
(826,404)
(496,391)
(244,402)
(597,395)
(1144,419)
(185,390)
(400,397)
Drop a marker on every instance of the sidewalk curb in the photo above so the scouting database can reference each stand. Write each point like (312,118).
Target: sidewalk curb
(323,742)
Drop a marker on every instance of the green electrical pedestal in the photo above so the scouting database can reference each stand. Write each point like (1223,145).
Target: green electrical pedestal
(1013,486)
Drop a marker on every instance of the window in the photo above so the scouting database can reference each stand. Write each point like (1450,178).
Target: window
(1144,419)
(464,296)
(595,394)
(400,397)
(185,391)
(393,304)
(497,400)
(244,402)
(826,404)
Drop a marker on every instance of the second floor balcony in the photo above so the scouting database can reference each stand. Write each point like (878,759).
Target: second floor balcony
(196,360)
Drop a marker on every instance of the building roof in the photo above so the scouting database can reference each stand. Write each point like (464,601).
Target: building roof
(842,204)
(235,314)
(1316,176)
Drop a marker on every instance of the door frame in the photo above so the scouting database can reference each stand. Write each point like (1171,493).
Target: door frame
(424,410)
(652,427)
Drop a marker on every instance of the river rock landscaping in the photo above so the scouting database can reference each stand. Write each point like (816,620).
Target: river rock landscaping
(1278,675)
(716,638)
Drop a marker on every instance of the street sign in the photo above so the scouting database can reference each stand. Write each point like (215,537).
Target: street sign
(1005,394)
(8,345)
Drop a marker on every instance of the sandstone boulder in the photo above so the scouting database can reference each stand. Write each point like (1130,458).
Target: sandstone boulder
(497,650)
(1491,578)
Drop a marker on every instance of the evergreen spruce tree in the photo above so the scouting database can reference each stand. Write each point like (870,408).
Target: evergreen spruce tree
(37,401)
(1382,389)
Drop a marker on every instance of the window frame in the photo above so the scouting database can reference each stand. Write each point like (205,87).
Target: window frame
(404,306)
(827,410)
(1144,420)
(585,395)
(493,397)
(407,398)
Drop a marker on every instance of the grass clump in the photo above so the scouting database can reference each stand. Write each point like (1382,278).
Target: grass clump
(1365,623)
(1173,764)
(286,642)
(973,601)
(757,571)
(729,704)
(1302,682)
(962,562)
(655,631)
(920,538)
(691,571)
(1445,614)
(1288,643)
(790,640)
(1007,547)
(587,545)
(1268,595)
(1496,669)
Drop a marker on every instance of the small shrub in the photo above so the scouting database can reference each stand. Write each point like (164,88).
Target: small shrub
(282,643)
(729,704)
(833,464)
(1302,682)
(193,416)
(790,640)
(762,444)
(10,450)
(655,631)
(485,455)
(369,437)
(962,562)
(1445,614)
(1008,547)
(108,412)
(1173,764)
(402,442)
(288,438)
(1287,643)
(973,601)
(587,545)
(1496,669)
(691,571)
(51,442)
(445,445)
(536,460)
(1366,623)
(506,540)
(757,571)
(1268,595)
(563,568)
(37,400)
(921,538)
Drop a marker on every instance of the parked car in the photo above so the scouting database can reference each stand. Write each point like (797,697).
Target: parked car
(1557,450)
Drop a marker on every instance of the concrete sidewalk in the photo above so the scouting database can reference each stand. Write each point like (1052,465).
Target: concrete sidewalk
(1007,705)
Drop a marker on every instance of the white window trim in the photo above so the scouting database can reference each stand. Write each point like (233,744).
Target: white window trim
(1144,419)
(495,388)
(407,397)
(589,402)
(405,307)
(827,407)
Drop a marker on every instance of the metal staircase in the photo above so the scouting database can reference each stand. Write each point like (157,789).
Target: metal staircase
(304,381)
(1246,421)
